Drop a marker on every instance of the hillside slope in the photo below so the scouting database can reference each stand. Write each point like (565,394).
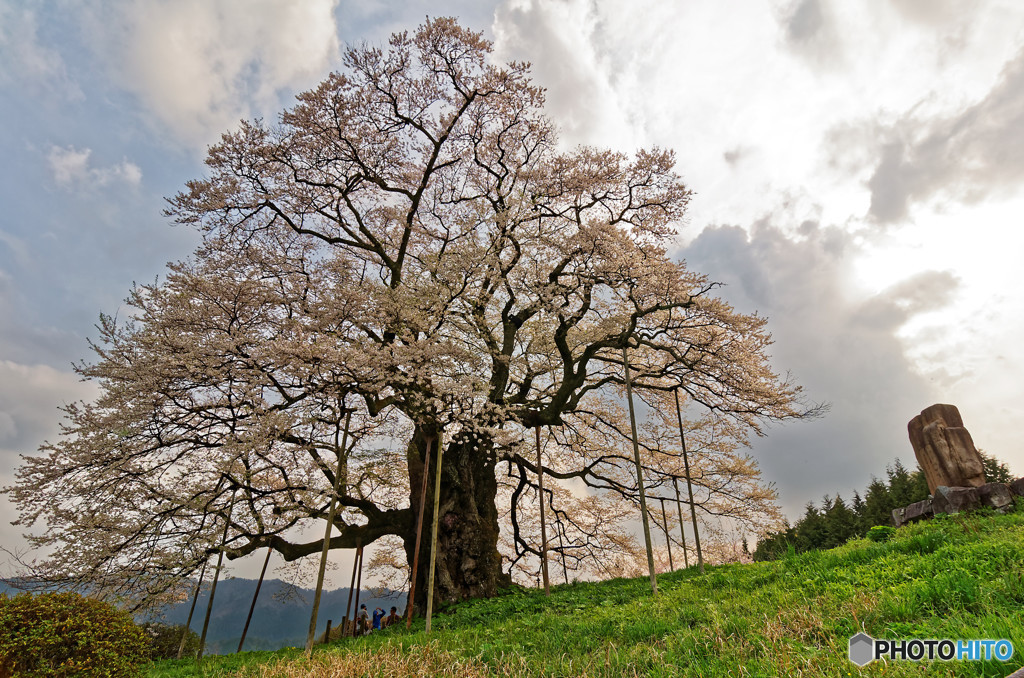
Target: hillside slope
(955,577)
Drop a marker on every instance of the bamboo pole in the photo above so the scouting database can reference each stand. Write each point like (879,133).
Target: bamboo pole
(188,622)
(682,530)
(543,528)
(216,575)
(433,534)
(668,539)
(311,636)
(255,595)
(689,484)
(351,590)
(419,534)
(640,475)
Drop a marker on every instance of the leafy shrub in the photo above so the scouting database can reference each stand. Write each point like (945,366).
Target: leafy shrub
(881,533)
(165,640)
(65,634)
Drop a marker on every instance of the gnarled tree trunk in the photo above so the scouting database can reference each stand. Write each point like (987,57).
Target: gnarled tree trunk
(468,563)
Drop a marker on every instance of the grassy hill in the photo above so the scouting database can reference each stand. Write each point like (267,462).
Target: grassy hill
(959,577)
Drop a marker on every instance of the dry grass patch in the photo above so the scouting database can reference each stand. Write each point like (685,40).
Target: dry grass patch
(423,661)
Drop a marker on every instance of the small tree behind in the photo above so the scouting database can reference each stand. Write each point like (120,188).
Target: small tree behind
(165,639)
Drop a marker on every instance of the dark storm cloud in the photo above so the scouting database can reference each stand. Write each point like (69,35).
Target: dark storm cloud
(571,87)
(933,12)
(805,21)
(809,30)
(843,351)
(733,157)
(971,155)
(890,309)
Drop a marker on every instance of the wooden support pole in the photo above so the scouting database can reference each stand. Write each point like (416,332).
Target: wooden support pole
(188,622)
(682,530)
(419,534)
(561,549)
(351,590)
(359,586)
(216,575)
(640,475)
(255,595)
(689,484)
(433,534)
(543,528)
(336,490)
(327,633)
(668,538)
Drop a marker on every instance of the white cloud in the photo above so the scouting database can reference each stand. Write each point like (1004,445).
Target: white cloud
(8,428)
(789,109)
(968,155)
(30,398)
(198,66)
(571,50)
(843,350)
(703,78)
(774,79)
(23,56)
(17,247)
(71,168)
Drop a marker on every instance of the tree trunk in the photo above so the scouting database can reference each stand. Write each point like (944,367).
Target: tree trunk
(468,562)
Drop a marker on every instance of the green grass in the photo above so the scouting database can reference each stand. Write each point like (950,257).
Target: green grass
(954,577)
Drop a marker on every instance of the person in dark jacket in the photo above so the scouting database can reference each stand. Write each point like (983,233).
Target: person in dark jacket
(378,615)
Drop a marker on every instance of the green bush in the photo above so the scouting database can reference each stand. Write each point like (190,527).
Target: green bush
(65,634)
(881,533)
(165,640)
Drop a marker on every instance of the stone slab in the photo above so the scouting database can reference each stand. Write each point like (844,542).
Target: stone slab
(955,499)
(995,495)
(1017,487)
(919,510)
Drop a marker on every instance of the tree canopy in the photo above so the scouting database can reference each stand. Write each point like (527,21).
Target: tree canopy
(409,246)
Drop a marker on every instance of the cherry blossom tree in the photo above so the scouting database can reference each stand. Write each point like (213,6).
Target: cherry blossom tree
(410,253)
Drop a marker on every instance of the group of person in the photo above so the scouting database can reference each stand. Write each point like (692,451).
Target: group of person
(380,619)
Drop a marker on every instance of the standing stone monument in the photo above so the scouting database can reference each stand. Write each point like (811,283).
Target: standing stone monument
(944,448)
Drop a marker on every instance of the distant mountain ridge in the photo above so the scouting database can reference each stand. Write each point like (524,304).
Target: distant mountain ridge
(278,621)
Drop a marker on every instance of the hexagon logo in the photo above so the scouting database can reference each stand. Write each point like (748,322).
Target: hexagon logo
(862,649)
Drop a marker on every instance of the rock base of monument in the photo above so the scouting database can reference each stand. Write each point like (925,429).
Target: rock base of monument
(952,500)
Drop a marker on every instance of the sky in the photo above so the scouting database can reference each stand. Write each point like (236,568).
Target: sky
(857,167)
